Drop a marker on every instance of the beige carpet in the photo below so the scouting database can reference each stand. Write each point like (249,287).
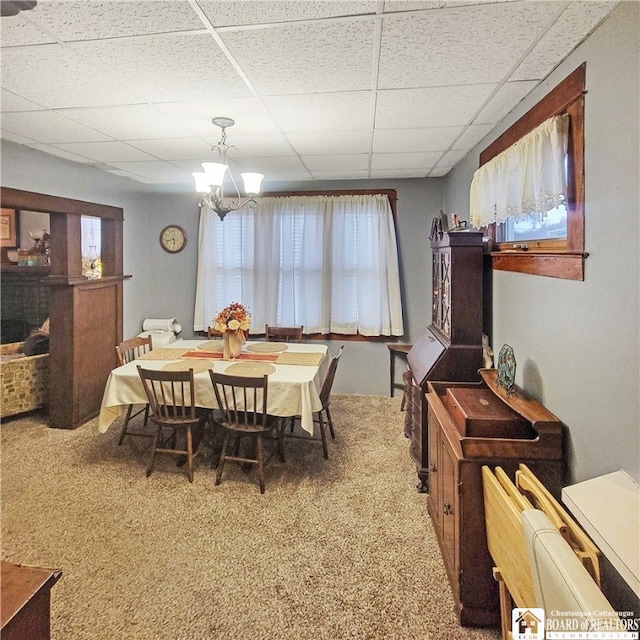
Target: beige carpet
(335,549)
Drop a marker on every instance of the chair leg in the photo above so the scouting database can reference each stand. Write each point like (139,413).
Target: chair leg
(154,445)
(127,417)
(259,456)
(280,436)
(146,415)
(323,435)
(189,454)
(223,453)
(330,421)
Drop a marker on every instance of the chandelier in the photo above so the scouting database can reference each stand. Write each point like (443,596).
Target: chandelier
(210,181)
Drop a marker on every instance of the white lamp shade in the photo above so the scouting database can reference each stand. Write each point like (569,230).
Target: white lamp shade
(215,172)
(252,182)
(202,185)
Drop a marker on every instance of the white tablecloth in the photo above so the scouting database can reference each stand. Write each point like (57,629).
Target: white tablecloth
(294,390)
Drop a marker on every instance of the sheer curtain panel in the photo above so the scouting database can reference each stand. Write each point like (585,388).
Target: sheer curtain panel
(329,263)
(528,178)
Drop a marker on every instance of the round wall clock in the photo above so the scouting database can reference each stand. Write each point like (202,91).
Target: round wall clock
(173,238)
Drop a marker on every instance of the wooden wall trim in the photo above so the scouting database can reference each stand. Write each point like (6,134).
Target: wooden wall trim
(19,199)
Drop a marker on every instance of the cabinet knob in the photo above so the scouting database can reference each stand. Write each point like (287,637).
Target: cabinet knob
(447,510)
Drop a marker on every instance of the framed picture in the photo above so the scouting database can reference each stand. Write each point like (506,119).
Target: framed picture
(8,234)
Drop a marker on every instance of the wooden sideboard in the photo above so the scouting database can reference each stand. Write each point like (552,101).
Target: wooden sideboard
(471,425)
(25,596)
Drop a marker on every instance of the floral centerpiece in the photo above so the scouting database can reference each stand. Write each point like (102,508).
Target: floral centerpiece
(235,317)
(233,322)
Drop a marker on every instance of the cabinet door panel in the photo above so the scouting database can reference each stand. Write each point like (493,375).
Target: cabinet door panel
(449,506)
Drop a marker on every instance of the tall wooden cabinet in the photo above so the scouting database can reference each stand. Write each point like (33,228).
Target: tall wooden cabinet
(451,349)
(471,425)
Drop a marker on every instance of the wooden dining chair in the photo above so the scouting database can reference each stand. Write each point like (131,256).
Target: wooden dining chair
(127,351)
(242,402)
(172,408)
(324,412)
(283,334)
(212,333)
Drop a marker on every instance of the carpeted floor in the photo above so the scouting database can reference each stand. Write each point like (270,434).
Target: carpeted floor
(335,549)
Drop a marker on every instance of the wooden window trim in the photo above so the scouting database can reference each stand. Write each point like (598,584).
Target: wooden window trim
(553,258)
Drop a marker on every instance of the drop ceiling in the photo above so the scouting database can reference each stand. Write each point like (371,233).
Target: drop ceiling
(319,90)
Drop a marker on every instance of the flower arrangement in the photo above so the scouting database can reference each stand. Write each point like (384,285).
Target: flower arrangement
(235,318)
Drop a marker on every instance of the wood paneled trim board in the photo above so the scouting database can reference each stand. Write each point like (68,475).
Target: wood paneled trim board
(18,199)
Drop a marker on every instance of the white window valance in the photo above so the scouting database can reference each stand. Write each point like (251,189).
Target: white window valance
(528,178)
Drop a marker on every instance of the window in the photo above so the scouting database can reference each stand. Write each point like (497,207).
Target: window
(328,263)
(541,246)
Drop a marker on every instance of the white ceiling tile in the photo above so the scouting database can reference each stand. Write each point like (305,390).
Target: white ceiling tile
(306,81)
(49,127)
(416,49)
(82,20)
(434,107)
(414,5)
(420,172)
(250,114)
(231,12)
(323,112)
(451,158)
(16,137)
(139,121)
(430,139)
(340,175)
(508,96)
(160,172)
(578,19)
(167,68)
(21,30)
(303,58)
(271,181)
(258,145)
(330,142)
(439,172)
(29,73)
(404,160)
(13,102)
(175,148)
(114,151)
(337,163)
(471,136)
(61,153)
(291,164)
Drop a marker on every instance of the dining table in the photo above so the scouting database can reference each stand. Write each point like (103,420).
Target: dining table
(295,372)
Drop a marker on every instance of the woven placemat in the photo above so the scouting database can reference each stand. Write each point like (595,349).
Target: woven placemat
(162,354)
(268,347)
(309,359)
(198,366)
(250,369)
(211,345)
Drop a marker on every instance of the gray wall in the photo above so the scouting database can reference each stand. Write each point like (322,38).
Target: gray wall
(577,343)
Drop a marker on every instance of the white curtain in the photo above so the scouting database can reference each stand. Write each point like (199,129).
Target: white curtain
(329,263)
(528,178)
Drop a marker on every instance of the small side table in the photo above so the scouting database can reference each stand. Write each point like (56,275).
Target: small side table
(396,349)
